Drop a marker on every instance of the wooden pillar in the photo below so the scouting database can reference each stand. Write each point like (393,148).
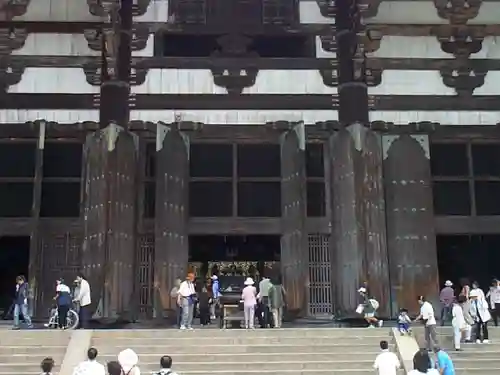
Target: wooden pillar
(34,270)
(171,222)
(359,251)
(410,220)
(108,252)
(294,241)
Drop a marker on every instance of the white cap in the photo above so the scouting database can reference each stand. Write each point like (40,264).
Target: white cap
(362,290)
(214,277)
(128,359)
(249,281)
(448,283)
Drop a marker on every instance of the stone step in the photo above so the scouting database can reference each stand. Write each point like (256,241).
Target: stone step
(39,349)
(192,340)
(216,333)
(34,357)
(170,349)
(147,358)
(213,371)
(478,353)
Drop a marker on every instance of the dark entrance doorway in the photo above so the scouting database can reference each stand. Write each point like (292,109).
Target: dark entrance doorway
(14,261)
(252,255)
(472,257)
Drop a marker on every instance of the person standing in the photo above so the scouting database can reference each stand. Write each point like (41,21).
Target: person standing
(263,297)
(386,363)
(186,299)
(63,301)
(494,296)
(203,304)
(277,300)
(469,320)
(481,315)
(84,300)
(427,315)
(21,302)
(248,295)
(174,293)
(444,364)
(458,323)
(216,294)
(446,297)
(90,366)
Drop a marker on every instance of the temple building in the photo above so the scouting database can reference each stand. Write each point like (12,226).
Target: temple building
(330,142)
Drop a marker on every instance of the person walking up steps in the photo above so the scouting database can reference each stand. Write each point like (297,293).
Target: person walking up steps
(429,319)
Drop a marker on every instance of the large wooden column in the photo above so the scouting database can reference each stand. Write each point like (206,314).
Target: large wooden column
(108,251)
(171,229)
(294,250)
(359,251)
(410,219)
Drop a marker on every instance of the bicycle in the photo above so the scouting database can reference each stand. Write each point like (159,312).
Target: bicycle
(72,319)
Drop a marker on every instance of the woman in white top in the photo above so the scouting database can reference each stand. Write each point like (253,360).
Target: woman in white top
(458,322)
(422,364)
(480,313)
(494,296)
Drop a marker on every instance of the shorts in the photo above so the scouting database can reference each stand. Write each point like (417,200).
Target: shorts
(370,315)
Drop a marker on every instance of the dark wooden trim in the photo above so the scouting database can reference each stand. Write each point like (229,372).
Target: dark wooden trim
(430,30)
(177,62)
(435,103)
(176,101)
(467,225)
(430,64)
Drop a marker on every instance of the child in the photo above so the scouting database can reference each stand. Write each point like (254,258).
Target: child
(47,365)
(404,322)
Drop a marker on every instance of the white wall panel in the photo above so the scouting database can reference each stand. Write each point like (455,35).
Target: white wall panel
(53,81)
(321,53)
(289,82)
(490,49)
(411,82)
(149,50)
(56,45)
(58,11)
(245,117)
(410,47)
(442,117)
(424,12)
(309,13)
(491,85)
(179,81)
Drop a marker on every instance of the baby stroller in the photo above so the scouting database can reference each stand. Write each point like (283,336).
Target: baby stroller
(72,319)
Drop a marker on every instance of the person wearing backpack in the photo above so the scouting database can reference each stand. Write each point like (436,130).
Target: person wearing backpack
(166,366)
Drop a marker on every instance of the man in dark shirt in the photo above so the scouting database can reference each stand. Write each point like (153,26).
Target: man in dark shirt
(21,302)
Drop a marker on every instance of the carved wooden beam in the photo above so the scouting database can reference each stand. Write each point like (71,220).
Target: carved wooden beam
(460,42)
(435,30)
(11,39)
(330,77)
(458,12)
(100,8)
(93,74)
(369,8)
(430,64)
(13,8)
(327,8)
(464,80)
(139,37)
(9,76)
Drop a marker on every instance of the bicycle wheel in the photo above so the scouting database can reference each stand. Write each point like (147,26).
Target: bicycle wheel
(72,320)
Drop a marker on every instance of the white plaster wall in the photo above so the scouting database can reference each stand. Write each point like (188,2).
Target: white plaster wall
(309,13)
(491,85)
(58,11)
(411,82)
(442,117)
(321,53)
(234,117)
(53,81)
(41,44)
(424,12)
(196,81)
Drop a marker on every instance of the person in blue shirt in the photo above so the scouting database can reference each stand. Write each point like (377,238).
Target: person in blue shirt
(444,363)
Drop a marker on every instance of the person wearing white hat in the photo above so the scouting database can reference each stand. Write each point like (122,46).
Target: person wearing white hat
(249,298)
(215,296)
(480,313)
(446,297)
(128,360)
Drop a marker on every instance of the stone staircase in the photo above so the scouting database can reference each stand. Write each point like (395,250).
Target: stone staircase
(475,359)
(291,351)
(21,352)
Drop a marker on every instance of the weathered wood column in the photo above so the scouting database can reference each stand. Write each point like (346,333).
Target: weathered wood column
(359,249)
(108,252)
(294,247)
(171,222)
(410,219)
(359,229)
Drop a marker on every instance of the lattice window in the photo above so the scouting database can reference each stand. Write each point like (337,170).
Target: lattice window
(188,11)
(145,260)
(320,292)
(280,12)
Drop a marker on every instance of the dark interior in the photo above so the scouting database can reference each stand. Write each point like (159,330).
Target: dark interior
(14,261)
(472,257)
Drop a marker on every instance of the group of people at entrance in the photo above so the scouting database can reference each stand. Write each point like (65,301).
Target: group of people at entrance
(265,303)
(64,300)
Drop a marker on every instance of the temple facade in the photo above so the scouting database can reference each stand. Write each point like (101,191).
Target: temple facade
(382,118)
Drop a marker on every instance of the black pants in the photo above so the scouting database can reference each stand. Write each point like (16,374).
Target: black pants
(496,314)
(204,315)
(62,313)
(477,329)
(263,313)
(83,314)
